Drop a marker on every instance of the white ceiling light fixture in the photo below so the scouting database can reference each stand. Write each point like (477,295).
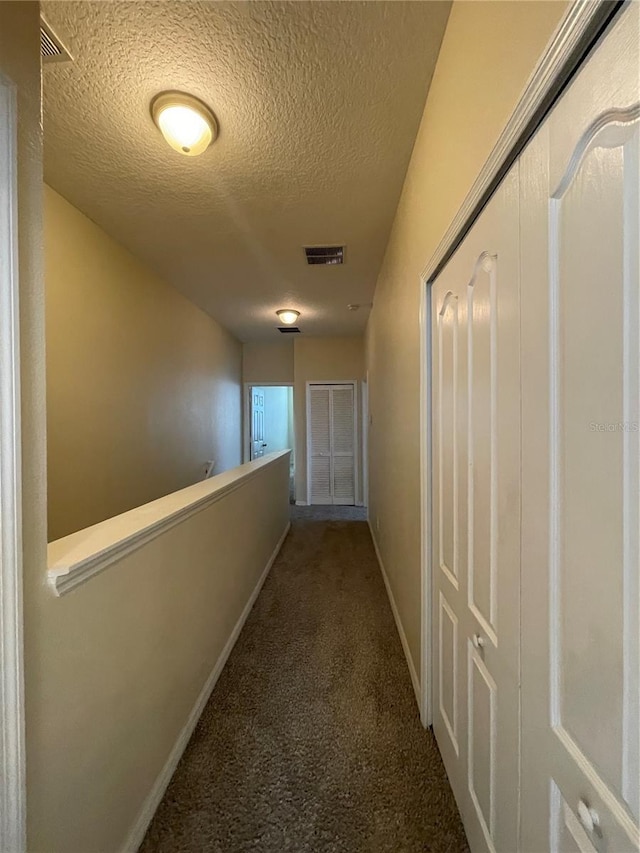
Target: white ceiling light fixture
(287,316)
(186,123)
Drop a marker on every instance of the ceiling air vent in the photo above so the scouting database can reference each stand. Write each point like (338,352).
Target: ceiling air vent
(325,255)
(289,330)
(51,48)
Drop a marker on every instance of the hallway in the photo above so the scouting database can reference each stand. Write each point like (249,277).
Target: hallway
(311,740)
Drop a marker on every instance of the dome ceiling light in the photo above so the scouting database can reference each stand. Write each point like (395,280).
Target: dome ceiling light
(287,316)
(186,123)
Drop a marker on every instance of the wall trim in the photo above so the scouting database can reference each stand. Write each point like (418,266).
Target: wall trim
(150,805)
(396,615)
(12,738)
(77,558)
(581,25)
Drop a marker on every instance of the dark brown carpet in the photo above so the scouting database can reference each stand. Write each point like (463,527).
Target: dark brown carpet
(328,513)
(311,741)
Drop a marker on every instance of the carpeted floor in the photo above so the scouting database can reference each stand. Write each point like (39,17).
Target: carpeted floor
(311,741)
(328,513)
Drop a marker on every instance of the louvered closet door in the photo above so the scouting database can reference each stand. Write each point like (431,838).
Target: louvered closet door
(320,449)
(332,445)
(342,456)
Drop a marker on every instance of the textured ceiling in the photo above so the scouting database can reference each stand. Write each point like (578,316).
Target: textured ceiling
(318,105)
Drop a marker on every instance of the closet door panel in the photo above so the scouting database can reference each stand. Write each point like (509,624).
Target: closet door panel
(448,693)
(581,460)
(482,740)
(594,451)
(448,390)
(343,444)
(320,455)
(482,406)
(476,552)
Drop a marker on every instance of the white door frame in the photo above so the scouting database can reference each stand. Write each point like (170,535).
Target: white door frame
(246,418)
(356,444)
(583,23)
(12,749)
(364,402)
(426,516)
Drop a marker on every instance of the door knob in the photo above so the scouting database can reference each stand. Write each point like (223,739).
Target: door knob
(589,818)
(478,641)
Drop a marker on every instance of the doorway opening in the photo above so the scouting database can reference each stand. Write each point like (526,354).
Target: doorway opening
(269,423)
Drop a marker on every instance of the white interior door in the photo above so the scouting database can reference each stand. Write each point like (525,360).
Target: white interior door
(332,446)
(258,441)
(581,458)
(476,525)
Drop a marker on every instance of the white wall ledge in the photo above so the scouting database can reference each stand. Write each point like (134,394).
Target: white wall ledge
(76,558)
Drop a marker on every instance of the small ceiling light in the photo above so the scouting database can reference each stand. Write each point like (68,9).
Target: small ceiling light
(186,123)
(287,316)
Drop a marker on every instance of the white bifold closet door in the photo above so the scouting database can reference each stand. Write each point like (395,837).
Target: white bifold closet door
(580,228)
(476,524)
(332,445)
(536,482)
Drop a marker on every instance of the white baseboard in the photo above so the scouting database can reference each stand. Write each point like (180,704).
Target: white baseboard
(396,615)
(301,503)
(156,794)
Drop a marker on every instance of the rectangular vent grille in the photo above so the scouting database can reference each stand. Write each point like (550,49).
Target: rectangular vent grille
(51,48)
(289,330)
(325,255)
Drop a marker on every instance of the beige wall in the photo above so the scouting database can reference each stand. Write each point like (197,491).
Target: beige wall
(142,387)
(322,360)
(268,362)
(129,653)
(488,53)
